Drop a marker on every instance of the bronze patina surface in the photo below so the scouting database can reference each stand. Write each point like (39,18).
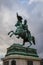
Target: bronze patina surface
(22,31)
(20,50)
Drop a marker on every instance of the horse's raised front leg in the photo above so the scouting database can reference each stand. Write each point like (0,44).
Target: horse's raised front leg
(11,34)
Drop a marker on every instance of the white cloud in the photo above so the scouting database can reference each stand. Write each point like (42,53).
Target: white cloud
(7,22)
(31,1)
(1,63)
(38,0)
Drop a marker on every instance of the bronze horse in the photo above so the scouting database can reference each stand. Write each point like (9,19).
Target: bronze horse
(23,32)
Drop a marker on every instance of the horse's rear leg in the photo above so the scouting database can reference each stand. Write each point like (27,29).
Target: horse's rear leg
(23,42)
(30,44)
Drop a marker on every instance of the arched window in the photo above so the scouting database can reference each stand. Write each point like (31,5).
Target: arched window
(41,63)
(6,63)
(13,62)
(29,62)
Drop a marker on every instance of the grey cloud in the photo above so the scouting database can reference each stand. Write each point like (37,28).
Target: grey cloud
(36,16)
(37,26)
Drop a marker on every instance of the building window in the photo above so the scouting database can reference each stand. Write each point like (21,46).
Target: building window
(29,62)
(6,63)
(13,62)
(41,63)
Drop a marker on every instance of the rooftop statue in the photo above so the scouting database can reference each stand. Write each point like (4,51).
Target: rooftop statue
(22,31)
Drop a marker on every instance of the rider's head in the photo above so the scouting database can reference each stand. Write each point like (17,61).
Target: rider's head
(19,17)
(25,21)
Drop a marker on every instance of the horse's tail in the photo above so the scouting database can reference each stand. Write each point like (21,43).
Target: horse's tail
(33,40)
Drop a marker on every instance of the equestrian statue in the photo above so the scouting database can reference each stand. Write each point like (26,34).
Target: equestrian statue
(22,31)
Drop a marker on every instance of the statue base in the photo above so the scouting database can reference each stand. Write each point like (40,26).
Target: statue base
(19,55)
(17,49)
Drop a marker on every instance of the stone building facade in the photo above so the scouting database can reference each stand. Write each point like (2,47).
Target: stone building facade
(18,55)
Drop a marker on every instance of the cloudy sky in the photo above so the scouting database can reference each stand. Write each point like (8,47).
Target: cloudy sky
(32,10)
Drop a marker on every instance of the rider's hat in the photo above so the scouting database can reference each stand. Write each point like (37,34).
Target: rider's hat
(19,17)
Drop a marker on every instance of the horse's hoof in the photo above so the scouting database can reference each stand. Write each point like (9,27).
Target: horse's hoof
(18,37)
(8,33)
(28,46)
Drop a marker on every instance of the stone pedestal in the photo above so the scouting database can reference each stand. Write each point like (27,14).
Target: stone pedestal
(21,60)
(19,55)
